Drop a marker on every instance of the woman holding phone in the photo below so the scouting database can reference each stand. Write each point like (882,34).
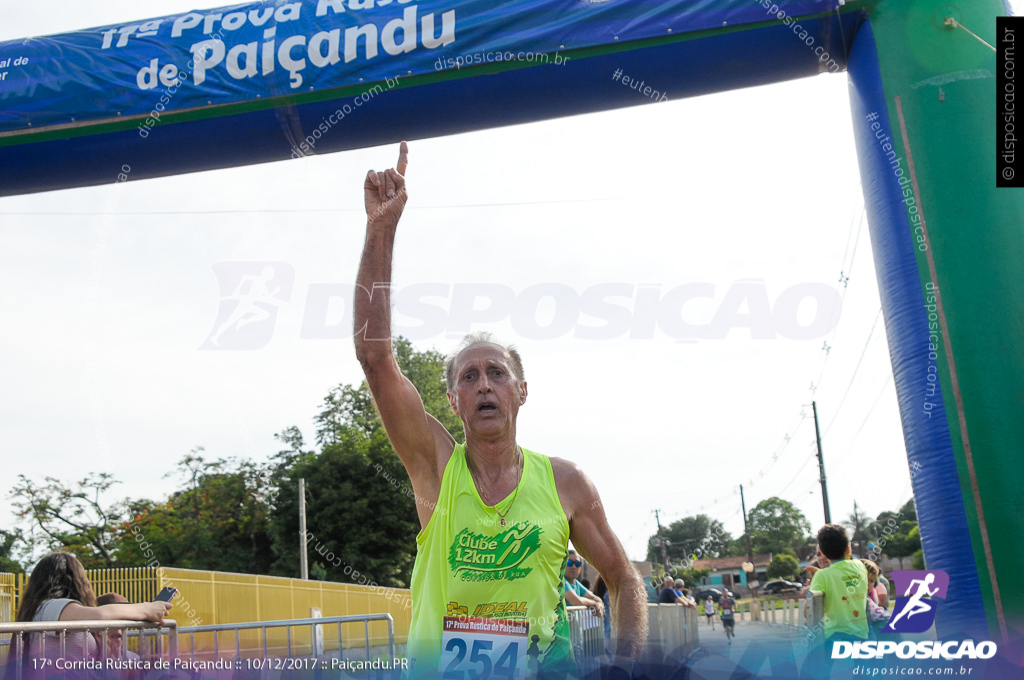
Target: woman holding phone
(59,590)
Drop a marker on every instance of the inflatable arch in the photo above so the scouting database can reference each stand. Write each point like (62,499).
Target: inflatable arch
(272,80)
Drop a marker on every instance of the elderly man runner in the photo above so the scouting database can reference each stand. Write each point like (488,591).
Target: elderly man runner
(496,518)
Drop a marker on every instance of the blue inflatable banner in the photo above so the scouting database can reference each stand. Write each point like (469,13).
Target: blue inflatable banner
(253,51)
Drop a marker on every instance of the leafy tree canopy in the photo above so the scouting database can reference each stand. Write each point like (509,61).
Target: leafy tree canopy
(776,525)
(217,521)
(691,577)
(783,566)
(72,517)
(692,538)
(8,541)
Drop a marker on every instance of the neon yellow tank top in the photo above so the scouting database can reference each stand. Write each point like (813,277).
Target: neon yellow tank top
(489,599)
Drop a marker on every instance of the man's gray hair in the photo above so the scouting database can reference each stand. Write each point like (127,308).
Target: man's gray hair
(482,337)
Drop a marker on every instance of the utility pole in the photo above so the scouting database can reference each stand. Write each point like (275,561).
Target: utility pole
(821,465)
(661,541)
(303,562)
(755,606)
(746,532)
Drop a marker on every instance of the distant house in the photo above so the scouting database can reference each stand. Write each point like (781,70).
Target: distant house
(589,572)
(728,571)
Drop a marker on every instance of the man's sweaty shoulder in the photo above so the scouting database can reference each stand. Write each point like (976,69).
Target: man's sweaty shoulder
(575,490)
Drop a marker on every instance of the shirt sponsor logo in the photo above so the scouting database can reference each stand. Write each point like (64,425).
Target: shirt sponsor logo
(503,610)
(479,557)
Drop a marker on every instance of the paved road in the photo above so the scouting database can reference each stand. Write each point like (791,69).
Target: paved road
(757,650)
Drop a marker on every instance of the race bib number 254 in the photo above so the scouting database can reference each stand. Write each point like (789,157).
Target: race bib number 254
(481,649)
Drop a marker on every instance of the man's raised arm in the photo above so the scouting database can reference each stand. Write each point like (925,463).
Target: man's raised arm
(418,438)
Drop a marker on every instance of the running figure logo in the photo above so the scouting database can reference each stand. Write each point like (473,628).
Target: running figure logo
(250,294)
(914,611)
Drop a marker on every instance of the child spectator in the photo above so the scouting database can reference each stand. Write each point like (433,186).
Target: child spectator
(843,583)
(882,589)
(877,616)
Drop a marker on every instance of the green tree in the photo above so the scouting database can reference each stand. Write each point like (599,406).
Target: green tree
(904,543)
(776,526)
(217,521)
(783,566)
(691,577)
(889,522)
(909,511)
(884,519)
(360,508)
(8,540)
(74,517)
(896,533)
(737,547)
(692,538)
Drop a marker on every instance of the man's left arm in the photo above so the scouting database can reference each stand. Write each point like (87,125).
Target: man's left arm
(596,542)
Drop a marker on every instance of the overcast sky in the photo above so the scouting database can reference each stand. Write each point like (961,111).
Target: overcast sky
(751,198)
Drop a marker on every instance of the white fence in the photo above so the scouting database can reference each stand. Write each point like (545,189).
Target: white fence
(673,632)
(797,613)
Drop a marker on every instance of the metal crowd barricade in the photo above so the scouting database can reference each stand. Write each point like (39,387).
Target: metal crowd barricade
(22,638)
(815,611)
(586,633)
(673,632)
(263,647)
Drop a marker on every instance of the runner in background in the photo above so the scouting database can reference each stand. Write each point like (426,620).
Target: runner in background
(727,605)
(709,611)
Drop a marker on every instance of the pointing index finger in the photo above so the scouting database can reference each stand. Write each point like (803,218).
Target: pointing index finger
(403,158)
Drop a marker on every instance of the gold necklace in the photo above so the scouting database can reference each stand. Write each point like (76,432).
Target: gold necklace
(514,495)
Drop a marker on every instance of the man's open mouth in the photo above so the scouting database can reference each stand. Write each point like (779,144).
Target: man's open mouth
(487,408)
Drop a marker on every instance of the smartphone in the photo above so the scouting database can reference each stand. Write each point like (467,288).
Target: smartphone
(166,594)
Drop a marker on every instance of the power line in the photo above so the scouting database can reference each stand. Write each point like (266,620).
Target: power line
(844,279)
(797,475)
(864,351)
(842,459)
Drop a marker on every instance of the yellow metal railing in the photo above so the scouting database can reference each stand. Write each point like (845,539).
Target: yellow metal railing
(136,584)
(212,597)
(8,597)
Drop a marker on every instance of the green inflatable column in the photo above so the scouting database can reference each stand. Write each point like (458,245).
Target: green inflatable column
(939,83)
